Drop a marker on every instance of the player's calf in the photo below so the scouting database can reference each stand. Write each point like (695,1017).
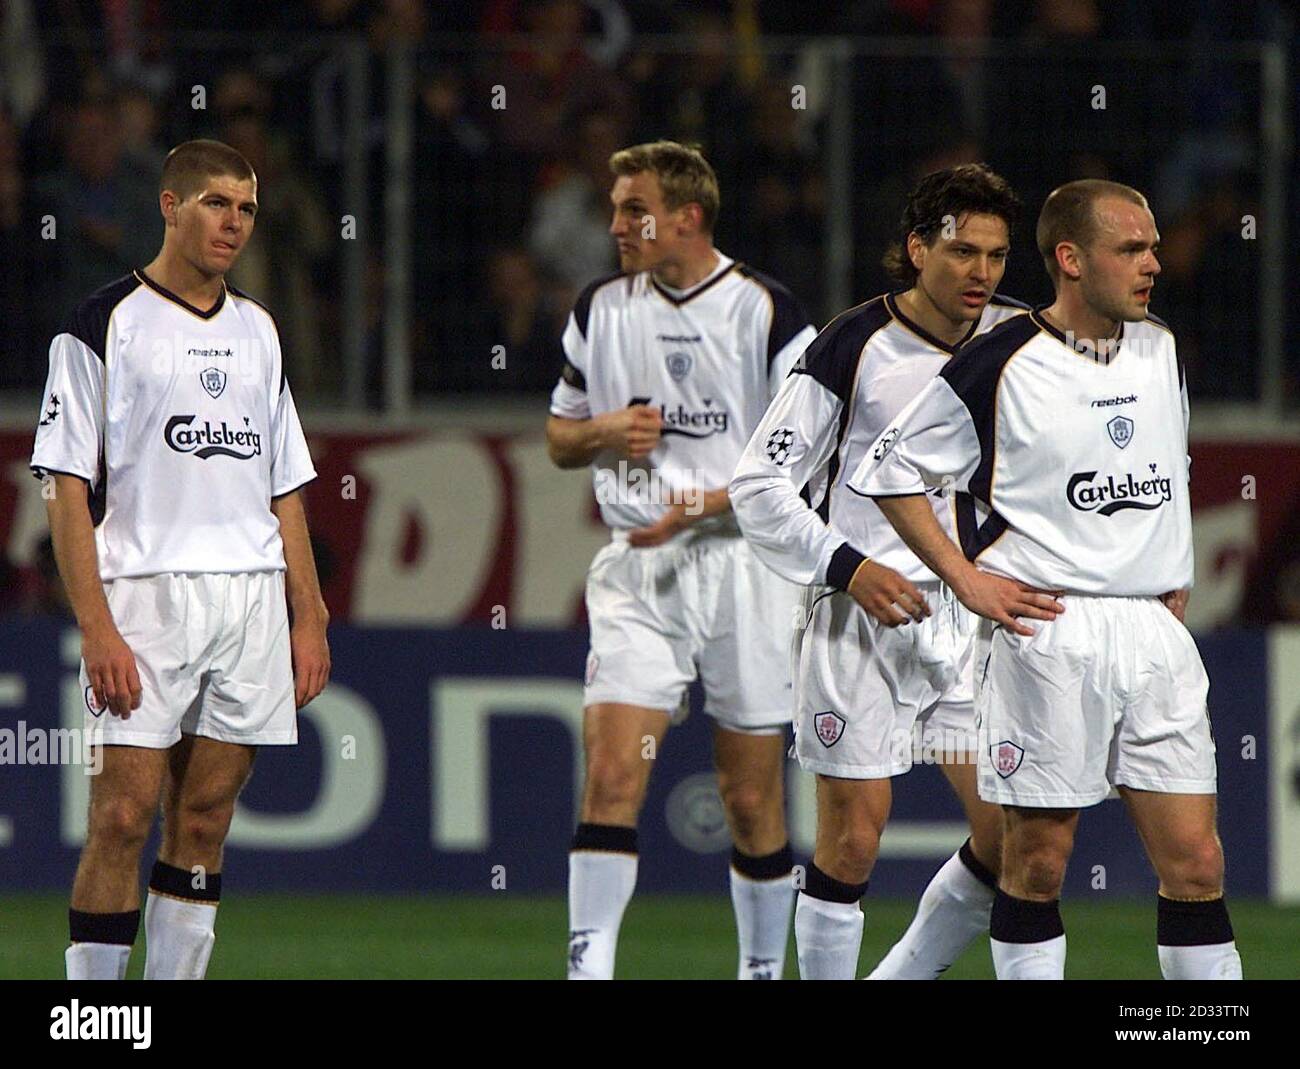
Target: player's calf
(104,917)
(751,773)
(1025,929)
(621,742)
(828,920)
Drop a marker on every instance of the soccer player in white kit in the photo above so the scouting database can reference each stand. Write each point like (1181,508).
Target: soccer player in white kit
(865,692)
(1068,431)
(669,367)
(177,462)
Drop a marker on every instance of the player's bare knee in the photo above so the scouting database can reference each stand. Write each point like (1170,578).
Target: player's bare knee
(200,831)
(856,846)
(748,806)
(121,823)
(1195,871)
(613,783)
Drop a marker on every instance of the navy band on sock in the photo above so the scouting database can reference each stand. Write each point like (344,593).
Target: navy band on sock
(976,867)
(1019,920)
(829,889)
(180,883)
(117,928)
(767,867)
(1192,924)
(604,837)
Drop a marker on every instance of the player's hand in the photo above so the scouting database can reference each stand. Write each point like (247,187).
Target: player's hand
(886,596)
(110,665)
(632,431)
(674,520)
(1176,602)
(1002,600)
(310,650)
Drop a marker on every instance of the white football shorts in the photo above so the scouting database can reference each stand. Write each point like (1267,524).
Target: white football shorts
(871,700)
(702,604)
(1110,693)
(212,650)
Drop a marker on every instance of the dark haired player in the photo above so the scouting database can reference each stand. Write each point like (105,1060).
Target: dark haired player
(1067,429)
(865,688)
(178,527)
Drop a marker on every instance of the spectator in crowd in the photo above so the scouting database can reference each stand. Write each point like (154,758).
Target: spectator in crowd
(549,81)
(569,235)
(105,210)
(22,361)
(295,231)
(782,201)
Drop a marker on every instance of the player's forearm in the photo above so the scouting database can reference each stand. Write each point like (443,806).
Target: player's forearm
(917,525)
(786,534)
(711,503)
(574,443)
(302,585)
(73,536)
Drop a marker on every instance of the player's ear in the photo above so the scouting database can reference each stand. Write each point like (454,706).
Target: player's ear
(916,249)
(1067,259)
(167,205)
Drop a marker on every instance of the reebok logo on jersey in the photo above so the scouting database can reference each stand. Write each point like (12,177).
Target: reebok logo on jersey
(1131,399)
(1112,494)
(209,441)
(702,423)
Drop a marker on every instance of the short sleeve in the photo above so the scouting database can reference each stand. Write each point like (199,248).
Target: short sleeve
(291,466)
(569,398)
(70,428)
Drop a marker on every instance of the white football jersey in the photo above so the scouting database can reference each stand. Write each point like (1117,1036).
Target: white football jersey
(181,422)
(709,358)
(788,491)
(1073,469)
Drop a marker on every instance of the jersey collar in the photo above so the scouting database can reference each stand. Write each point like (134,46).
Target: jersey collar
(1112,344)
(682,297)
(891,302)
(167,294)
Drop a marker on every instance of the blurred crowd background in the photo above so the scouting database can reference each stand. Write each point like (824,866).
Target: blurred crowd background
(508,205)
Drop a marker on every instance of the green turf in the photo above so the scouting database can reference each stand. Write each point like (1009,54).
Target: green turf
(336,936)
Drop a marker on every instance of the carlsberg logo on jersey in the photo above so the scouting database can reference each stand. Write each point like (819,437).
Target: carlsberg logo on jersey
(1112,493)
(208,441)
(701,423)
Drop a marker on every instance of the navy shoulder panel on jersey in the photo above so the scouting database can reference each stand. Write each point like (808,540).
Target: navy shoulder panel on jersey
(582,306)
(1182,371)
(788,314)
(974,374)
(88,322)
(253,300)
(832,357)
(1009,302)
(245,297)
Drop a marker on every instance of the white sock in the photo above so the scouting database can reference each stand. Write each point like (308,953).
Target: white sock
(763,907)
(1194,940)
(953,910)
(178,937)
(601,882)
(1029,961)
(96,961)
(1218,961)
(828,937)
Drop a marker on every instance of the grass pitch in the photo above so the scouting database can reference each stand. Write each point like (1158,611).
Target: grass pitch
(520,937)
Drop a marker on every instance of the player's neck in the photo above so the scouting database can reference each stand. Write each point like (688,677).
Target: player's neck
(176,274)
(688,270)
(918,307)
(1078,322)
